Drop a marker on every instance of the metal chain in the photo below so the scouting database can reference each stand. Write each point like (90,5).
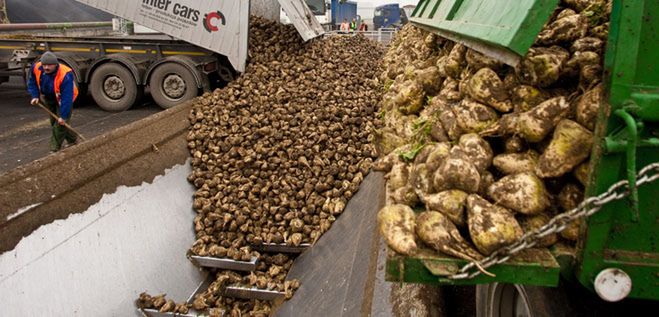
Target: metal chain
(557,224)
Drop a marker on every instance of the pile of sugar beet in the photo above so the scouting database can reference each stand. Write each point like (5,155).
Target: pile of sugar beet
(478,152)
(276,155)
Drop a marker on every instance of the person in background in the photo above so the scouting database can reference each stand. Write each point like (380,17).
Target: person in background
(344,26)
(363,26)
(53,83)
(353,25)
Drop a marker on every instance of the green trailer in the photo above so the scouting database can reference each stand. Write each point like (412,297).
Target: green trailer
(617,255)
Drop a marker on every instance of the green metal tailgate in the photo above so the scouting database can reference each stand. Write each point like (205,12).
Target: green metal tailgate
(531,267)
(623,234)
(503,29)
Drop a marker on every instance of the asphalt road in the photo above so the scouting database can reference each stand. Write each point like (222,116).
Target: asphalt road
(25,129)
(42,11)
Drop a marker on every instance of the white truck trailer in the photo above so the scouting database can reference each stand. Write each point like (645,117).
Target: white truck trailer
(202,42)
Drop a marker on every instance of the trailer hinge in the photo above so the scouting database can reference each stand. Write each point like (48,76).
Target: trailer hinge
(628,141)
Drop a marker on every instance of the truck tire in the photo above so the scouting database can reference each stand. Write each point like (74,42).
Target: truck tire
(4,79)
(225,73)
(172,84)
(114,88)
(514,300)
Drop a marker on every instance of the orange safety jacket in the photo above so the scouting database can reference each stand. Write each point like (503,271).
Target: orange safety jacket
(62,70)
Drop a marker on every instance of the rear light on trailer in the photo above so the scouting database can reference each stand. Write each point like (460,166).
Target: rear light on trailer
(210,67)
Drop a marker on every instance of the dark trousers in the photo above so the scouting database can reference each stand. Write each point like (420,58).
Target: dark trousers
(60,133)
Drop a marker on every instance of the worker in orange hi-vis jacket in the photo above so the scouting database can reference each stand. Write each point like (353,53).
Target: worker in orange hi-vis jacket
(54,84)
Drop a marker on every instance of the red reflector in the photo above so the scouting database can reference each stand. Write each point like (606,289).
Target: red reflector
(210,67)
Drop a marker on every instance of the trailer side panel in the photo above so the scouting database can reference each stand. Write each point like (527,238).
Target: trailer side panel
(220,26)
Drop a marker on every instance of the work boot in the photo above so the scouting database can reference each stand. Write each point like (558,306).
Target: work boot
(68,144)
(54,147)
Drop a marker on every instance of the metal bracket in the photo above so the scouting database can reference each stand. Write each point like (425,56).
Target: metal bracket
(615,144)
(238,291)
(224,263)
(155,313)
(281,247)
(150,312)
(646,106)
(632,129)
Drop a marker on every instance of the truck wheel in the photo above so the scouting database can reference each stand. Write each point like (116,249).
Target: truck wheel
(4,79)
(225,73)
(114,88)
(513,300)
(82,92)
(171,84)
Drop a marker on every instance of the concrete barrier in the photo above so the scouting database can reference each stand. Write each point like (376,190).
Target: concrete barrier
(71,180)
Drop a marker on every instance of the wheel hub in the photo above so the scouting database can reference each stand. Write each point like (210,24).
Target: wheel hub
(114,87)
(174,86)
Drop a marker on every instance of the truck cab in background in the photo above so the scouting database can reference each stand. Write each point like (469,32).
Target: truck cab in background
(342,10)
(389,16)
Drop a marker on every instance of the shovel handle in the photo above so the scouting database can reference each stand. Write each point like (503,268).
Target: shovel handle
(66,125)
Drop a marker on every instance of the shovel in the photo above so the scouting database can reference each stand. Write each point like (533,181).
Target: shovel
(66,125)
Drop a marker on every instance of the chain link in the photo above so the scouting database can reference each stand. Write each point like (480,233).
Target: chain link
(557,224)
